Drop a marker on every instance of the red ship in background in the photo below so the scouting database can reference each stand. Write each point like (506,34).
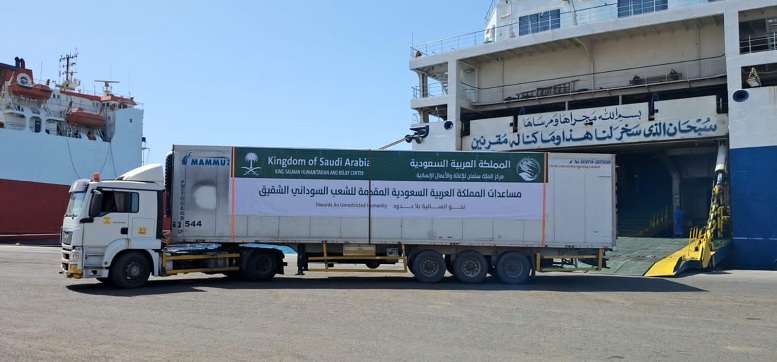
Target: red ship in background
(52,135)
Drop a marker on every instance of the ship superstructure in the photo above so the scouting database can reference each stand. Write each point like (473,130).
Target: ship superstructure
(52,134)
(683,91)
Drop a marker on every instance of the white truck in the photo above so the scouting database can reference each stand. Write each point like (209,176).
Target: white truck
(232,210)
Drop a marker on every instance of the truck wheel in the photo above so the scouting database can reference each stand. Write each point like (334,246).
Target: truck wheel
(130,270)
(372,264)
(513,268)
(428,266)
(470,267)
(261,266)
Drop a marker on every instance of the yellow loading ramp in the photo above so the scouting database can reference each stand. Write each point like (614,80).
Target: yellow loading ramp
(701,252)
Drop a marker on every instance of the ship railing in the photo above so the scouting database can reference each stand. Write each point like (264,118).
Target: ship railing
(644,76)
(434,89)
(80,91)
(588,15)
(755,43)
(54,84)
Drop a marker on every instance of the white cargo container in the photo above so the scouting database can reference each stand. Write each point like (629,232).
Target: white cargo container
(471,213)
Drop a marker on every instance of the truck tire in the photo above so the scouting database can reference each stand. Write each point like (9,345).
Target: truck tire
(260,266)
(513,268)
(373,264)
(470,267)
(130,270)
(428,266)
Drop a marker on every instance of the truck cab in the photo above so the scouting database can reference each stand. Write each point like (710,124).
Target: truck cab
(107,220)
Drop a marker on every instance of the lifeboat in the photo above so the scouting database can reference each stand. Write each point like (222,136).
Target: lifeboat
(81,117)
(38,92)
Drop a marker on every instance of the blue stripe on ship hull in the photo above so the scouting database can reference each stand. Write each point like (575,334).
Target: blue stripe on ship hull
(754,207)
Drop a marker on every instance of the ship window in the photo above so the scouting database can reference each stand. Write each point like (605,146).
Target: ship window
(535,23)
(637,7)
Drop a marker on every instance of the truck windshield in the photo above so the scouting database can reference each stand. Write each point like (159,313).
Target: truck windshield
(76,204)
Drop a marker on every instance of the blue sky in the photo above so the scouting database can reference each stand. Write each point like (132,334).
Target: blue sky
(327,73)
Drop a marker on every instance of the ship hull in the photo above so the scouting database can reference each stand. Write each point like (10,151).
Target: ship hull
(39,167)
(32,210)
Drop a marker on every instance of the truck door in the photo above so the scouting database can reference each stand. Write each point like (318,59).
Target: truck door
(114,219)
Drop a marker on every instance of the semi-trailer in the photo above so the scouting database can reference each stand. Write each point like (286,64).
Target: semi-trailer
(232,210)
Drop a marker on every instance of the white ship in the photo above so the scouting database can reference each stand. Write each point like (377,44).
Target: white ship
(52,134)
(684,92)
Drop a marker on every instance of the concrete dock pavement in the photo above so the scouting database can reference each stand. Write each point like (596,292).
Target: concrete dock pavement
(556,317)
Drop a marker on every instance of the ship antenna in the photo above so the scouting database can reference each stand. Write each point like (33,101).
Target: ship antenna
(107,85)
(68,70)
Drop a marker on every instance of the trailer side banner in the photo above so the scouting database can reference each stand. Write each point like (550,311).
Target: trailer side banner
(356,183)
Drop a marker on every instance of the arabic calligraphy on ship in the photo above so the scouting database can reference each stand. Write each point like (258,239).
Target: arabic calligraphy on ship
(625,132)
(569,118)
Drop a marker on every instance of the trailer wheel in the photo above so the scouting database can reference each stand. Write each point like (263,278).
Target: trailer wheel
(130,270)
(470,267)
(513,268)
(260,266)
(428,266)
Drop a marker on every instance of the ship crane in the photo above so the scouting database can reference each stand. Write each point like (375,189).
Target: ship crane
(107,85)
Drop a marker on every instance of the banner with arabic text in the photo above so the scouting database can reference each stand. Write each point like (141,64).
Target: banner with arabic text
(356,183)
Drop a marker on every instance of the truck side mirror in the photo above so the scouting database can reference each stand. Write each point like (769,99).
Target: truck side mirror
(95,204)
